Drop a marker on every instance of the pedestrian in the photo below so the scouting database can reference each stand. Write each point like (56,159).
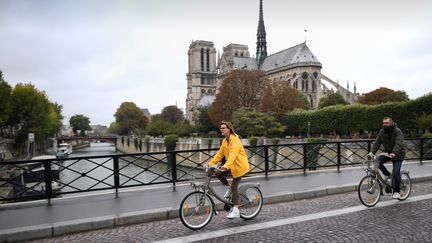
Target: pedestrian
(236,163)
(392,140)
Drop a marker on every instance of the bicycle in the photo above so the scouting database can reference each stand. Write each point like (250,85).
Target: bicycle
(371,186)
(197,208)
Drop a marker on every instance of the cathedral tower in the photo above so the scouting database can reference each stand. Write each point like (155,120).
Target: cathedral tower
(201,77)
(261,50)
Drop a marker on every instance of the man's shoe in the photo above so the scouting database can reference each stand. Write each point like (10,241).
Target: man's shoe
(396,195)
(235,213)
(228,192)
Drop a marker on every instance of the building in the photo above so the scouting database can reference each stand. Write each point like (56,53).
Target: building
(296,65)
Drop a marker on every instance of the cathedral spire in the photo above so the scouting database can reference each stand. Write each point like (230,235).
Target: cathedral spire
(261,50)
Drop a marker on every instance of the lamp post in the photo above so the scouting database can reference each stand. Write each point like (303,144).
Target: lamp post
(308,131)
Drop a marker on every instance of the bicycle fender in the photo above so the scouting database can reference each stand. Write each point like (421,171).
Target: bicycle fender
(244,186)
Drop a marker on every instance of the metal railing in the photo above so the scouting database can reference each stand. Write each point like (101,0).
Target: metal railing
(48,178)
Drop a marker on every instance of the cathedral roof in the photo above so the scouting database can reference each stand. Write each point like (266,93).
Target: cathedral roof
(245,62)
(294,56)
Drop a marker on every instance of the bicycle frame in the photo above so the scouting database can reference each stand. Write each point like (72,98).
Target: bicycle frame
(375,173)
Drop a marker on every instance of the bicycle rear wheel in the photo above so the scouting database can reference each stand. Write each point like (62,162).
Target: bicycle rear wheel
(252,201)
(369,191)
(405,186)
(196,210)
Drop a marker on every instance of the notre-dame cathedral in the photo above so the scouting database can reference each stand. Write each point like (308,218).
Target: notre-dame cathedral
(296,65)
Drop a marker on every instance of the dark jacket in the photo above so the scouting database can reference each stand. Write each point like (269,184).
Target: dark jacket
(392,140)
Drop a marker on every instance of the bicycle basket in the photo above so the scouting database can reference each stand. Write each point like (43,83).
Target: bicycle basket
(198,177)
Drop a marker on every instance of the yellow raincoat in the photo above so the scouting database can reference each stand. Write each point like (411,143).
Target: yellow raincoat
(236,158)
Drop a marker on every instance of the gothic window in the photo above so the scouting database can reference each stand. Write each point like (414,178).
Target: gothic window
(315,74)
(236,54)
(202,59)
(303,85)
(311,101)
(208,60)
(241,54)
(296,84)
(304,75)
(313,86)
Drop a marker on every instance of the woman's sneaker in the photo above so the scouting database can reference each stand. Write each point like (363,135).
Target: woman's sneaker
(235,213)
(396,195)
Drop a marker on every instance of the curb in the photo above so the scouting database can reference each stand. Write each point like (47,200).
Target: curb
(110,221)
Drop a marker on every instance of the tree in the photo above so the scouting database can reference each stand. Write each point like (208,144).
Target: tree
(5,96)
(332,99)
(80,122)
(129,118)
(280,98)
(424,122)
(32,112)
(250,123)
(241,88)
(204,124)
(172,114)
(382,95)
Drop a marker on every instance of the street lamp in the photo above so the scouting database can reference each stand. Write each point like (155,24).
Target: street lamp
(308,132)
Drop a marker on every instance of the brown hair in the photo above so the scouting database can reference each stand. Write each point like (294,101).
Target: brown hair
(230,126)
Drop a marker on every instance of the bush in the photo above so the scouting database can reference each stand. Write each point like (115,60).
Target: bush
(170,142)
(253,141)
(312,151)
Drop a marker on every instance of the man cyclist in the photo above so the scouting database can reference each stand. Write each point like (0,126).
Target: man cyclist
(392,139)
(236,162)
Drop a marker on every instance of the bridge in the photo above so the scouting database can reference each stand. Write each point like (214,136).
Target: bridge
(75,140)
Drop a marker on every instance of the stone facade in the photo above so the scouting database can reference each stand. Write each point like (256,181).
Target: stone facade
(296,65)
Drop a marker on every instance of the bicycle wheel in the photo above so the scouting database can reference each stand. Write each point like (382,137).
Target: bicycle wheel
(405,186)
(369,191)
(196,210)
(251,201)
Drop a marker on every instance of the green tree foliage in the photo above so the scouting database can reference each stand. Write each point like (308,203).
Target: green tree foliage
(341,119)
(5,97)
(159,127)
(172,114)
(113,128)
(80,122)
(240,88)
(281,98)
(129,118)
(249,122)
(424,121)
(382,95)
(203,123)
(332,99)
(32,112)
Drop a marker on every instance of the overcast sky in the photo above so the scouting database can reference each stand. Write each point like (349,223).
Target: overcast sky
(92,55)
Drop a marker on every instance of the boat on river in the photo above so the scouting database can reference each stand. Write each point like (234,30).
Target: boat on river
(64,150)
(33,176)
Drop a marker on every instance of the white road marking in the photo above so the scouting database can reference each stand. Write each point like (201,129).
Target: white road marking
(293,220)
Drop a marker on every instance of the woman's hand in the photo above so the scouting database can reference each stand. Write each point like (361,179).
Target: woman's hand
(223,169)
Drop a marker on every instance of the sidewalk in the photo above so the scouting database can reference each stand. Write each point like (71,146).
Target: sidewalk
(30,220)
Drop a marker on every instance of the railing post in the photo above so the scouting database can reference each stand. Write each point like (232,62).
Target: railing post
(304,158)
(116,174)
(173,163)
(266,160)
(421,151)
(48,181)
(338,156)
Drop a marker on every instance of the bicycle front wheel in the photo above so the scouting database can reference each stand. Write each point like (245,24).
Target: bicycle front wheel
(252,201)
(405,186)
(369,191)
(196,210)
